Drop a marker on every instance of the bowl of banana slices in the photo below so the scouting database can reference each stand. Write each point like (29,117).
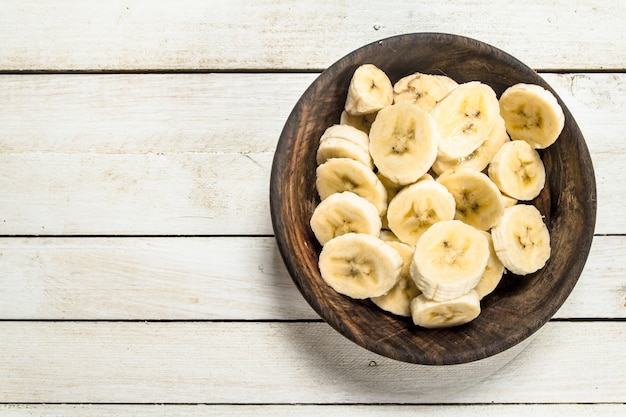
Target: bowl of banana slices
(432,198)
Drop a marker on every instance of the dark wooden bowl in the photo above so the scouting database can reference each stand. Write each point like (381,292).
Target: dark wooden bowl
(520,305)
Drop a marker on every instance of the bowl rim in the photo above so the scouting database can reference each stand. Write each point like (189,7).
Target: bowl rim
(290,257)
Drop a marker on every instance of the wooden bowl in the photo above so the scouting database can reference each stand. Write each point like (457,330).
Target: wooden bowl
(520,305)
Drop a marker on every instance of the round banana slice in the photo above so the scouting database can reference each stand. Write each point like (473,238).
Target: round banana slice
(449,260)
(493,271)
(522,240)
(518,171)
(370,90)
(403,142)
(480,158)
(417,207)
(398,299)
(362,122)
(532,114)
(344,174)
(478,200)
(425,90)
(448,313)
(342,148)
(349,133)
(343,213)
(360,265)
(465,117)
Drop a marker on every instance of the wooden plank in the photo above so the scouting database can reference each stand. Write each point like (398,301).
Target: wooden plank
(294,410)
(262,362)
(145,194)
(136,35)
(146,113)
(208,278)
(179,154)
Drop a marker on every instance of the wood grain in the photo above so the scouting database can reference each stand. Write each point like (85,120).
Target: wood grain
(513,313)
(191,35)
(118,362)
(214,278)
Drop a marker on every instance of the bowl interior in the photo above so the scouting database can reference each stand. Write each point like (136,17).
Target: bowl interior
(520,305)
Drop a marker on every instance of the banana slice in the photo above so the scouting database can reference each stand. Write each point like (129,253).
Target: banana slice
(448,313)
(532,114)
(344,174)
(417,207)
(480,158)
(362,122)
(518,171)
(425,90)
(398,299)
(478,200)
(349,133)
(342,148)
(403,142)
(450,258)
(360,265)
(493,271)
(522,240)
(370,90)
(465,117)
(343,213)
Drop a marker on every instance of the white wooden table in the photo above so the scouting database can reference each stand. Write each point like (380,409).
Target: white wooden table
(138,271)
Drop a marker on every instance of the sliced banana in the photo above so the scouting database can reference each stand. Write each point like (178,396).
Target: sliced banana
(522,240)
(370,90)
(342,148)
(417,207)
(425,90)
(398,299)
(403,142)
(480,158)
(518,171)
(362,122)
(478,200)
(344,174)
(493,271)
(448,313)
(343,213)
(349,133)
(449,260)
(465,117)
(360,265)
(532,114)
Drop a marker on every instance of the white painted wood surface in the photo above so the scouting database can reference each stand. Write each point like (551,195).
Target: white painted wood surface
(259,362)
(274,34)
(291,410)
(138,271)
